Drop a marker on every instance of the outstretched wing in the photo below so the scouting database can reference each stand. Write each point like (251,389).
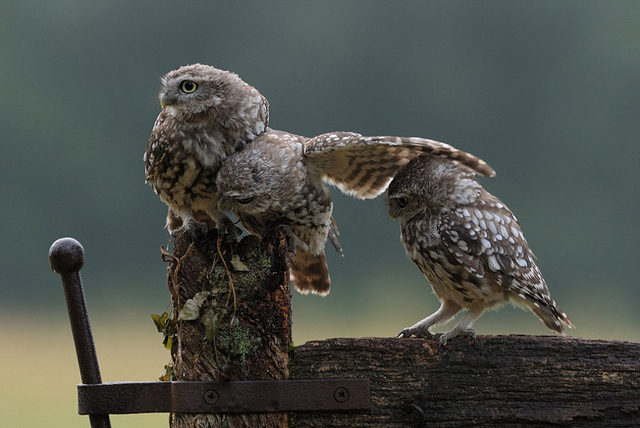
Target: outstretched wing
(364,166)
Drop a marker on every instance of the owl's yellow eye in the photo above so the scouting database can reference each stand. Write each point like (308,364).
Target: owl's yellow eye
(188,86)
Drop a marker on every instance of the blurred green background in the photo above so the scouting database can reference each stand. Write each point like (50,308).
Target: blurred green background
(547,92)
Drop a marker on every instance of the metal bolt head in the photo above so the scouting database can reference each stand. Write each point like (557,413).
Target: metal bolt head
(211,397)
(341,394)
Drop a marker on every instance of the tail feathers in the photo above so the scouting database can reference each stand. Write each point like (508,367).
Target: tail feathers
(310,274)
(549,314)
(333,237)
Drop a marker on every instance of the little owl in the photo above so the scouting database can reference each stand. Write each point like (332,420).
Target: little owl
(207,114)
(469,246)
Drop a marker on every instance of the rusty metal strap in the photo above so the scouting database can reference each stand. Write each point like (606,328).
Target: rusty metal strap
(321,395)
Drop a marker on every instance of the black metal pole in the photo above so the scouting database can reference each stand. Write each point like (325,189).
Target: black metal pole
(66,257)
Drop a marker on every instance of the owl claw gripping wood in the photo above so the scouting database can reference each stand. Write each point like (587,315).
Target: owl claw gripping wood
(469,246)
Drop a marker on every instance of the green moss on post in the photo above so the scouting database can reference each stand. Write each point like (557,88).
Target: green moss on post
(233,320)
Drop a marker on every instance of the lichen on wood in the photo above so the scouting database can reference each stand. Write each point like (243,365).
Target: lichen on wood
(237,323)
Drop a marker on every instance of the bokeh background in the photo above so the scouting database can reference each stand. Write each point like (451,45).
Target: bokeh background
(547,92)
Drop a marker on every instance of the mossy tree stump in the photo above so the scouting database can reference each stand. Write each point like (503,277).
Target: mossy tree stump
(232,321)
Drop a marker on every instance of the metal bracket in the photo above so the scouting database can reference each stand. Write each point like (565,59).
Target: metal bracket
(99,400)
(315,395)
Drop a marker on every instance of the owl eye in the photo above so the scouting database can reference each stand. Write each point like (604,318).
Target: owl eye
(188,86)
(402,201)
(244,200)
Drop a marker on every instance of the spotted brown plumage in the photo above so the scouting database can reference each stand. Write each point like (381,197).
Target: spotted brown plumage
(277,181)
(469,246)
(207,115)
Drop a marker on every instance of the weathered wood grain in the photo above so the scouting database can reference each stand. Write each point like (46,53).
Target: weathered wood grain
(505,381)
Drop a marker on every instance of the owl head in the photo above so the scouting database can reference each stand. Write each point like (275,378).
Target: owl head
(430,183)
(262,178)
(243,190)
(201,90)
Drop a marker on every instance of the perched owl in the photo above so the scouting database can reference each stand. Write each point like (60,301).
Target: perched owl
(469,246)
(277,182)
(207,114)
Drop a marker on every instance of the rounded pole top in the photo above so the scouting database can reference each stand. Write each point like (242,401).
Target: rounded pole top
(66,255)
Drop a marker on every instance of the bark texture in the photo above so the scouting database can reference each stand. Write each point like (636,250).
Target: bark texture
(506,381)
(242,329)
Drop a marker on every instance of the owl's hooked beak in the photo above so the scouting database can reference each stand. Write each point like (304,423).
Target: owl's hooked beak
(166,100)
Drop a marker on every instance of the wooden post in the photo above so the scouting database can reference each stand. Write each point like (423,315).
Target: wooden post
(233,319)
(506,381)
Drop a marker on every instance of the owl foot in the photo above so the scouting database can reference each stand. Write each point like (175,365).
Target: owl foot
(228,231)
(442,342)
(196,230)
(416,332)
(199,230)
(291,244)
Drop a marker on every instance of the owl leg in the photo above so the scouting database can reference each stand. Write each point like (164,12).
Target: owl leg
(291,242)
(184,220)
(463,327)
(174,222)
(227,229)
(448,309)
(225,226)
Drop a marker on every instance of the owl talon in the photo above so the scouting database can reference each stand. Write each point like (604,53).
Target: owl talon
(228,231)
(403,333)
(198,231)
(472,334)
(442,341)
(288,234)
(408,332)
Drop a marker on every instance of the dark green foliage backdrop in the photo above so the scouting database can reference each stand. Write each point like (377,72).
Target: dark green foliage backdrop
(547,92)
